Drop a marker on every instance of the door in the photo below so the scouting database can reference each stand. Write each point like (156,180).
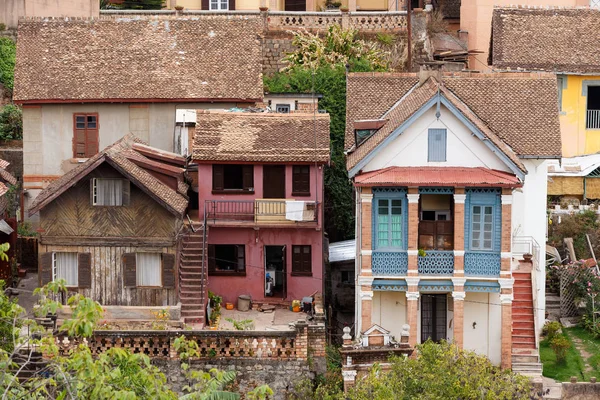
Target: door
(274,181)
(295,5)
(433,317)
(275,272)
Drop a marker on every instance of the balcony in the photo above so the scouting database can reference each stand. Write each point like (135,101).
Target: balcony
(482,264)
(436,262)
(389,263)
(260,212)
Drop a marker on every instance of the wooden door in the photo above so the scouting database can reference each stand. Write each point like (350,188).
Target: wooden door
(295,5)
(433,317)
(284,262)
(274,182)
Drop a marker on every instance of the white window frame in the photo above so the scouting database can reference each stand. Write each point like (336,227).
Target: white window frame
(95,192)
(54,269)
(481,223)
(219,5)
(137,269)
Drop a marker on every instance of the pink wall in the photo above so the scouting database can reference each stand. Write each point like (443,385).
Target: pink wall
(230,287)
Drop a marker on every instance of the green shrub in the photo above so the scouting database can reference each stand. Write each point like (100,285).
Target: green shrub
(11,122)
(2,26)
(25,229)
(551,329)
(8,51)
(560,344)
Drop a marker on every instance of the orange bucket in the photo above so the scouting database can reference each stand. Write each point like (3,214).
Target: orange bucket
(296,309)
(229,306)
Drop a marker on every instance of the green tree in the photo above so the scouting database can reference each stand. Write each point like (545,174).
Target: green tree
(442,371)
(11,122)
(8,51)
(141,4)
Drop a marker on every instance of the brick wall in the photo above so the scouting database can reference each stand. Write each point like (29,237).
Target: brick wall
(275,46)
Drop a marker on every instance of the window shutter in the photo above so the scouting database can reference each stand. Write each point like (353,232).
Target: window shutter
(126,192)
(205,5)
(212,265)
(231,5)
(84,265)
(92,181)
(248,171)
(218,183)
(91,142)
(129,270)
(79,143)
(306,259)
(168,270)
(241,258)
(296,259)
(436,145)
(45,268)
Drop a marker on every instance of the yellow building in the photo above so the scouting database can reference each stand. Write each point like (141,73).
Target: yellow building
(563,41)
(304,5)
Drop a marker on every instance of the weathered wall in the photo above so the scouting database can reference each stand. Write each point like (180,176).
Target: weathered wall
(580,391)
(276,44)
(12,10)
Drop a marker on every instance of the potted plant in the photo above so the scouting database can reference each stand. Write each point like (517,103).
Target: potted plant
(179,8)
(215,305)
(332,4)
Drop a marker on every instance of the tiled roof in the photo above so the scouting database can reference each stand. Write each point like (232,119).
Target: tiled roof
(549,39)
(139,58)
(117,156)
(5,175)
(517,112)
(261,137)
(437,176)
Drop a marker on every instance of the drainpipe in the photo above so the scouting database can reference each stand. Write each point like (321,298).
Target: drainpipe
(357,263)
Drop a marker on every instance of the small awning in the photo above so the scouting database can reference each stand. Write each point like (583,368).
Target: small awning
(4,227)
(443,285)
(482,286)
(389,285)
(438,176)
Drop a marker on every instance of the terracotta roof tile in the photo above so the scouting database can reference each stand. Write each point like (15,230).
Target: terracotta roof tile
(126,58)
(261,137)
(437,176)
(549,39)
(115,155)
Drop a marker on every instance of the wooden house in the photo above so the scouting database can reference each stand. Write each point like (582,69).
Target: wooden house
(109,227)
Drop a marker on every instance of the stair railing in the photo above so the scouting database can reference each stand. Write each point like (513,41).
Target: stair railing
(534,294)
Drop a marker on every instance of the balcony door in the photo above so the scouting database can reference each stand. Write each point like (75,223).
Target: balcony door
(295,5)
(275,272)
(274,181)
(433,317)
(436,225)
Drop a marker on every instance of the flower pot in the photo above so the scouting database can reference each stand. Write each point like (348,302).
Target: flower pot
(229,306)
(296,309)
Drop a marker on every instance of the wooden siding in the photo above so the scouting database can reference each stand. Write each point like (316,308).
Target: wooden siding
(107,286)
(72,217)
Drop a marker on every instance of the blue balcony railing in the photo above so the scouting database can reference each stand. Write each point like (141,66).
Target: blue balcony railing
(482,264)
(389,263)
(436,262)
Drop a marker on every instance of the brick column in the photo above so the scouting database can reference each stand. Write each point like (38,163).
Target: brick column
(366,235)
(413,231)
(459,232)
(412,312)
(366,307)
(349,376)
(506,347)
(458,296)
(506,239)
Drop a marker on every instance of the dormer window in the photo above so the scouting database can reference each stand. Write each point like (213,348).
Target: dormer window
(360,135)
(364,129)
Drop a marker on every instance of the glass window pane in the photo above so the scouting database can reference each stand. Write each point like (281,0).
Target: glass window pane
(487,235)
(475,243)
(67,268)
(488,210)
(80,122)
(224,4)
(148,271)
(396,230)
(383,203)
(476,218)
(487,244)
(91,121)
(476,210)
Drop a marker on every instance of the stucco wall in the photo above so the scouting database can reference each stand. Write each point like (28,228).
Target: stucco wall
(484,310)
(12,10)
(576,139)
(389,311)
(410,148)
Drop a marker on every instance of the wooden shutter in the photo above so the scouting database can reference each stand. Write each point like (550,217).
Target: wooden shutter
(45,268)
(168,270)
(231,5)
(301,260)
(212,265)
(301,180)
(306,259)
(85,135)
(218,181)
(84,273)
(126,192)
(205,5)
(78,136)
(129,270)
(248,171)
(241,258)
(436,145)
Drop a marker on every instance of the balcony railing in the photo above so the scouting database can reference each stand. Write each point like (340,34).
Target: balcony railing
(389,263)
(262,211)
(436,262)
(593,119)
(482,264)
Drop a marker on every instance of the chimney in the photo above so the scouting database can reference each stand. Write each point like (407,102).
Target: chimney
(431,69)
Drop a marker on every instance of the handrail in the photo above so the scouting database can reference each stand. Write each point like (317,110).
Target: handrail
(531,246)
(534,294)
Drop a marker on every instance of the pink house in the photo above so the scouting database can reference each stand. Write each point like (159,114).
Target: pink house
(260,191)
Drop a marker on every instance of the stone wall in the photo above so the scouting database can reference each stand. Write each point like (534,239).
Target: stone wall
(276,44)
(581,391)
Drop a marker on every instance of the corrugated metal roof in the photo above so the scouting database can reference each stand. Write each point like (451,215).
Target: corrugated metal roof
(342,251)
(437,176)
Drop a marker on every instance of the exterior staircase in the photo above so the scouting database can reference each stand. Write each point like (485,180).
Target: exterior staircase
(525,354)
(192,276)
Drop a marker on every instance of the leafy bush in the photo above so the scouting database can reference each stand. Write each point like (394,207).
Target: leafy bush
(576,226)
(560,344)
(10,320)
(24,229)
(8,51)
(11,122)
(551,329)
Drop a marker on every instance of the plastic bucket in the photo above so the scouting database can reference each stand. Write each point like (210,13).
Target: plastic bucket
(244,303)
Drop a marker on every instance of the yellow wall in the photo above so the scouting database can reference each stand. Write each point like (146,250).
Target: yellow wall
(576,140)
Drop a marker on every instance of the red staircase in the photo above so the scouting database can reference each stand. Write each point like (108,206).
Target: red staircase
(192,276)
(523,332)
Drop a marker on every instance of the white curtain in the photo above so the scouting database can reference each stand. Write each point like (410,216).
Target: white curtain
(66,268)
(109,192)
(148,269)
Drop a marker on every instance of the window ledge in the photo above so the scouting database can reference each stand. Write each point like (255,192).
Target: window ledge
(301,274)
(224,273)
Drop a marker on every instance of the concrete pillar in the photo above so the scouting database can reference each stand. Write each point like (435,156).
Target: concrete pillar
(459,232)
(413,231)
(459,316)
(366,302)
(349,376)
(506,238)
(506,346)
(412,312)
(366,201)
(351,5)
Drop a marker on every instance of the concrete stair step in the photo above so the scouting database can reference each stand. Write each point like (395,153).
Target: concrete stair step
(523,325)
(523,345)
(526,332)
(525,358)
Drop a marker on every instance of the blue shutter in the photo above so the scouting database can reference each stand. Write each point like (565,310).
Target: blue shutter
(436,145)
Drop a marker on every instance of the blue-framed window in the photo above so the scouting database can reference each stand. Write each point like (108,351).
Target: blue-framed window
(483,220)
(389,219)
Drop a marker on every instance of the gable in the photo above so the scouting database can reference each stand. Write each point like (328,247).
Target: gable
(410,148)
